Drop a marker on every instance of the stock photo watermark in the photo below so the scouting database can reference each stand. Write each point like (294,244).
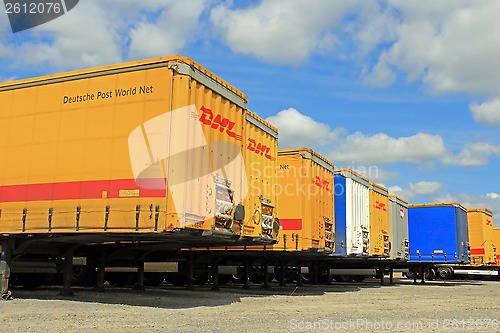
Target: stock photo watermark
(357,324)
(27,14)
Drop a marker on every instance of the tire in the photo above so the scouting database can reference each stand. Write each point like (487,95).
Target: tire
(410,274)
(429,274)
(444,273)
(83,276)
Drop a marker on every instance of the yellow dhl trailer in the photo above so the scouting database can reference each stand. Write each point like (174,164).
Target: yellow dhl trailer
(151,146)
(379,221)
(496,241)
(482,249)
(305,198)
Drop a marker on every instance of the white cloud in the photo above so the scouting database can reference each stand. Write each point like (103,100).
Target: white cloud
(381,149)
(103,32)
(281,31)
(493,195)
(298,130)
(451,47)
(169,33)
(473,155)
(422,188)
(490,201)
(425,188)
(487,113)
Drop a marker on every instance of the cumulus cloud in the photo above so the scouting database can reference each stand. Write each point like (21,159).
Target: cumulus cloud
(490,201)
(281,31)
(381,149)
(169,33)
(299,130)
(430,46)
(100,32)
(422,188)
(473,155)
(425,188)
(487,113)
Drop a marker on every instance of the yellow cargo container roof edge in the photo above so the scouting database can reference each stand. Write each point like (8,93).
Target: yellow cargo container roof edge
(314,156)
(255,119)
(180,64)
(480,209)
(379,188)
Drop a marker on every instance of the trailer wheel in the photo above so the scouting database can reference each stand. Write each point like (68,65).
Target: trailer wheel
(410,274)
(83,276)
(444,273)
(429,274)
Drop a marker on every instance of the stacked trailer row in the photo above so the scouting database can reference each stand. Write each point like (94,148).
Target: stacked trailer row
(160,162)
(156,154)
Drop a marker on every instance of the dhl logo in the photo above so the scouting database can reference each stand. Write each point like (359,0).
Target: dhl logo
(380,205)
(322,183)
(216,122)
(259,148)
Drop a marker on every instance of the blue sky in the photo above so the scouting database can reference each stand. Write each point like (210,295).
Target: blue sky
(409,90)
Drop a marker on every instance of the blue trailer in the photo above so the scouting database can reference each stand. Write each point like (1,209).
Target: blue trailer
(438,233)
(438,237)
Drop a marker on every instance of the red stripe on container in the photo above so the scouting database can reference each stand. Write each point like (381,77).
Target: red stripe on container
(92,189)
(291,224)
(477,251)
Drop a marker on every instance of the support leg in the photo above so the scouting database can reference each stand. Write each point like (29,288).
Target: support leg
(5,263)
(68,274)
(382,275)
(315,277)
(190,272)
(300,282)
(328,276)
(101,264)
(283,274)
(266,285)
(391,276)
(415,275)
(215,276)
(246,274)
(422,271)
(140,275)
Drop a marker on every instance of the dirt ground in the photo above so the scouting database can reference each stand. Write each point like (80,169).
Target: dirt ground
(445,306)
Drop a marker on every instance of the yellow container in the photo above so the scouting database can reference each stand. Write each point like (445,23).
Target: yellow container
(145,146)
(480,224)
(305,198)
(379,221)
(496,244)
(261,158)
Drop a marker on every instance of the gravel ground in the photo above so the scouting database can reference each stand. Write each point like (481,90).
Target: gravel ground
(462,306)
